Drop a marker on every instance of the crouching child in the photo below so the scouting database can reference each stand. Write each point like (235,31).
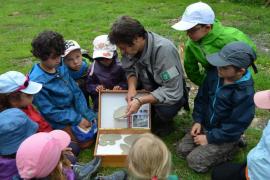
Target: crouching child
(223,108)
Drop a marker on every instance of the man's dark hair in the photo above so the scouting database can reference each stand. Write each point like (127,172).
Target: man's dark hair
(46,44)
(125,29)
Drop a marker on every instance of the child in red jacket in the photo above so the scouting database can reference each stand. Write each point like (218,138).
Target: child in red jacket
(16,91)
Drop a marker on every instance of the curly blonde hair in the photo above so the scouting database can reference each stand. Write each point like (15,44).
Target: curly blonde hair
(149,157)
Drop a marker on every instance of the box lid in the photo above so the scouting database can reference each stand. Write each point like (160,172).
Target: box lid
(110,101)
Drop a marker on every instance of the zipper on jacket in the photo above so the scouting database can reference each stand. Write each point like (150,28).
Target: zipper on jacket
(215,98)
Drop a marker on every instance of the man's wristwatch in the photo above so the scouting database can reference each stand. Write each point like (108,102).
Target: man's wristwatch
(140,102)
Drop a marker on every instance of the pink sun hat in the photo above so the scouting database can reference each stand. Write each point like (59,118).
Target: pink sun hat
(262,99)
(40,153)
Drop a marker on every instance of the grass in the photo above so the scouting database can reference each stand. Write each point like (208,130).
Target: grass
(83,20)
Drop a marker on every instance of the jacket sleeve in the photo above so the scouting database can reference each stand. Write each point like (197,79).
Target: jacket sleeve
(240,36)
(128,69)
(91,84)
(231,128)
(80,102)
(170,91)
(123,79)
(53,114)
(192,67)
(201,103)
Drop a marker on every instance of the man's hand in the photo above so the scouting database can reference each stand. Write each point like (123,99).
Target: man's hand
(133,107)
(99,88)
(131,94)
(200,140)
(196,129)
(117,88)
(84,124)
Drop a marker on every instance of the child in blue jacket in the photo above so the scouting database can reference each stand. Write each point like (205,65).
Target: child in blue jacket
(15,127)
(60,101)
(223,108)
(258,163)
(77,65)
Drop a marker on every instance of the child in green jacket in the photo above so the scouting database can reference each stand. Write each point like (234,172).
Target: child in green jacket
(206,36)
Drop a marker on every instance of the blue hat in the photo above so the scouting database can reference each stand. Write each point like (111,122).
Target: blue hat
(15,127)
(236,53)
(83,135)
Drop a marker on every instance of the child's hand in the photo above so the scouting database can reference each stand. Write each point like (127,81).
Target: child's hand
(196,129)
(200,140)
(99,88)
(117,88)
(84,124)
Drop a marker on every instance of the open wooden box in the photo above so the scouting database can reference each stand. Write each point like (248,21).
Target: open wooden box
(115,136)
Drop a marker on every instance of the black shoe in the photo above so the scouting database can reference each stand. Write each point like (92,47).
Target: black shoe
(85,171)
(118,175)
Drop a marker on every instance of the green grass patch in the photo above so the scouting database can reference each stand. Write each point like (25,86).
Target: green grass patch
(83,20)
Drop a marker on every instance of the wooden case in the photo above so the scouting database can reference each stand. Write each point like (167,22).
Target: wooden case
(115,136)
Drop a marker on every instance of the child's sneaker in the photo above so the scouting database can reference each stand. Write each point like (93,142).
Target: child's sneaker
(85,171)
(118,175)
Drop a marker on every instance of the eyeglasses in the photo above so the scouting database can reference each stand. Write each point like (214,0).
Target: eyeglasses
(194,29)
(25,84)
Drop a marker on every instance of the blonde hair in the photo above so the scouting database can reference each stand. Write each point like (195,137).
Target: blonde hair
(149,157)
(57,173)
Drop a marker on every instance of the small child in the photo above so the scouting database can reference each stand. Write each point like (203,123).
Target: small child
(16,90)
(42,155)
(60,101)
(77,65)
(148,158)
(15,127)
(106,71)
(223,108)
(206,36)
(258,162)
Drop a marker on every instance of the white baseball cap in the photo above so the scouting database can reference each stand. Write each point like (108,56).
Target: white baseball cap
(197,13)
(103,47)
(71,45)
(12,81)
